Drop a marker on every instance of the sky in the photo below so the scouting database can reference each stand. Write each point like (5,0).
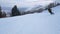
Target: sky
(20,3)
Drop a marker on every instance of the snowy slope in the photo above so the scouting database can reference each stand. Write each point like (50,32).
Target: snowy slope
(38,23)
(40,6)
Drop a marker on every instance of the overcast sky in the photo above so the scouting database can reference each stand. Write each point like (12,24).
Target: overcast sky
(10,3)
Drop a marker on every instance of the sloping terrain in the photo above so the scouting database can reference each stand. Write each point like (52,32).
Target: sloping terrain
(38,23)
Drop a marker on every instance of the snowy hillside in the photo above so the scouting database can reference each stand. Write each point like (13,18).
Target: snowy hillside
(38,23)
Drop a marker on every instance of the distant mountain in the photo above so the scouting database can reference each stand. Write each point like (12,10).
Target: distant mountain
(23,9)
(34,8)
(6,8)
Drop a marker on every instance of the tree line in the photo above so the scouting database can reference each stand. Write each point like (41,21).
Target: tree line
(14,12)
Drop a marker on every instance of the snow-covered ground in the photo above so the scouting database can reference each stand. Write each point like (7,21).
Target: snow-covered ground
(38,23)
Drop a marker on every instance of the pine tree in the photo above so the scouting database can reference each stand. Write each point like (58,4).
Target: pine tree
(4,14)
(0,12)
(15,11)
